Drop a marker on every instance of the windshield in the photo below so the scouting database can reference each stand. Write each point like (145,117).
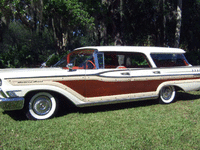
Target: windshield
(62,62)
(82,59)
(169,60)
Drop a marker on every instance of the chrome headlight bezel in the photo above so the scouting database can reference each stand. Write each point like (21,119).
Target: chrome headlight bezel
(2,94)
(12,93)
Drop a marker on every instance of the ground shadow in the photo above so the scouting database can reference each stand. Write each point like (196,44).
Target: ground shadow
(183,96)
(17,115)
(66,108)
(118,106)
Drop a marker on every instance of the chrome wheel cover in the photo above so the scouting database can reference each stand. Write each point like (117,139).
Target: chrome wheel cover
(167,94)
(42,105)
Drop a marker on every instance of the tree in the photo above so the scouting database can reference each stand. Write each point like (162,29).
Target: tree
(66,17)
(5,17)
(74,23)
(140,22)
(23,48)
(178,23)
(63,17)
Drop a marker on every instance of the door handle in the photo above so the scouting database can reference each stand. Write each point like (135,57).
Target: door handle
(125,73)
(156,72)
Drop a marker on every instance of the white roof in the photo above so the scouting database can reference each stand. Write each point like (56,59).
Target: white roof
(142,49)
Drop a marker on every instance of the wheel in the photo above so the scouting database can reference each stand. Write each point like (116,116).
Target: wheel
(93,65)
(167,95)
(41,106)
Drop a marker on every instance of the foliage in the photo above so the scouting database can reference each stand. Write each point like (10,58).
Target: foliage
(62,18)
(57,26)
(136,125)
(190,30)
(22,48)
(65,18)
(193,57)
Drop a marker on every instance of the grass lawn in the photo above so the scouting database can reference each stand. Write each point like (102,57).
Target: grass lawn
(135,125)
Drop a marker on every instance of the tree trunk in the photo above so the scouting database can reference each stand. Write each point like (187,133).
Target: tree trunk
(40,16)
(163,22)
(114,27)
(178,23)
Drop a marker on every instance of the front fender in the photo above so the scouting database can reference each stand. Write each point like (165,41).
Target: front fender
(22,91)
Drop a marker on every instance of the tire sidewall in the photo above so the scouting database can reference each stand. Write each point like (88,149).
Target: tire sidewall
(34,116)
(171,99)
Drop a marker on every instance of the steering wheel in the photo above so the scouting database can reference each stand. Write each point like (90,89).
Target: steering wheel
(89,61)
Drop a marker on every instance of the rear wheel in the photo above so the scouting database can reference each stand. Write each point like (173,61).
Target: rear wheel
(42,105)
(167,95)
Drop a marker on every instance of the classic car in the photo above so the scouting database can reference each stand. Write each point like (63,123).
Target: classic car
(99,75)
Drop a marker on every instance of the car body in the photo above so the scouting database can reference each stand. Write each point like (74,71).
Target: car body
(99,75)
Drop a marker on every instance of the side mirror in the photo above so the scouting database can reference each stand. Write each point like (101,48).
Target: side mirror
(70,66)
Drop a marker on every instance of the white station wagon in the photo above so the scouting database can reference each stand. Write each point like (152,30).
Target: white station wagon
(99,75)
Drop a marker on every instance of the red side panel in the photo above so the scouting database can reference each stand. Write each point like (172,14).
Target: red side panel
(95,88)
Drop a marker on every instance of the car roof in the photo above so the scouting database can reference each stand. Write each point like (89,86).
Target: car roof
(141,49)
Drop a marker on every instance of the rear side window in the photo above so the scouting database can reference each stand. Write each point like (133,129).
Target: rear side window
(169,60)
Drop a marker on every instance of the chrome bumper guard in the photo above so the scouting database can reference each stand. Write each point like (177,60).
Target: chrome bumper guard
(12,103)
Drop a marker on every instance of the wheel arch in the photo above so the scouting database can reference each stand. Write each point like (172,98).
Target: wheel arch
(169,83)
(59,95)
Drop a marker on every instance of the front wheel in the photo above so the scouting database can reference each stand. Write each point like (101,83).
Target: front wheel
(41,106)
(167,95)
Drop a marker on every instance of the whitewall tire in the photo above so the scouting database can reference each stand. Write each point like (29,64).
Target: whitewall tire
(167,95)
(41,106)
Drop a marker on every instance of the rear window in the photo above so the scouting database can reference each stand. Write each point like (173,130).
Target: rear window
(169,60)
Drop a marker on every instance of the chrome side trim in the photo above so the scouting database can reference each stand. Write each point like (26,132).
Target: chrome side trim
(115,101)
(12,103)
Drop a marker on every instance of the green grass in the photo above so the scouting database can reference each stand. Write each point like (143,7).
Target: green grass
(136,125)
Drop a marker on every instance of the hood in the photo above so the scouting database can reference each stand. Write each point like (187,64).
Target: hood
(30,72)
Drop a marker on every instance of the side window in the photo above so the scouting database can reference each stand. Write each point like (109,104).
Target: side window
(128,60)
(111,60)
(136,60)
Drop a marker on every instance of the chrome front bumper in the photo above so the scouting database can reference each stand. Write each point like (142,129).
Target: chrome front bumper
(12,103)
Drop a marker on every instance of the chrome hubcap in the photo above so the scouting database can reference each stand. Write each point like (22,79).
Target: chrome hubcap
(166,93)
(42,105)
